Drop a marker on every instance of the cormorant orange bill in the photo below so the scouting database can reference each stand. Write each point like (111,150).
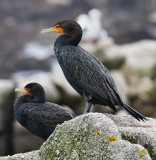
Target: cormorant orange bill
(22,90)
(56,28)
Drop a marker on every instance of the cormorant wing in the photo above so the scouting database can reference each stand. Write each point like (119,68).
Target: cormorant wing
(90,75)
(49,114)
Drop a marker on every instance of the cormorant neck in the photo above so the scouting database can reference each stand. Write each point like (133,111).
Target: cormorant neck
(39,98)
(65,39)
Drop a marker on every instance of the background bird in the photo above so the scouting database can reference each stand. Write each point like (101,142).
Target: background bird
(36,115)
(85,73)
(91,25)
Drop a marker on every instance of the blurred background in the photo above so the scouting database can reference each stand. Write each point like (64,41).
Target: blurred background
(121,33)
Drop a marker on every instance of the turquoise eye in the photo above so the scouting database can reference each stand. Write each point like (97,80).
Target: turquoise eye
(57,26)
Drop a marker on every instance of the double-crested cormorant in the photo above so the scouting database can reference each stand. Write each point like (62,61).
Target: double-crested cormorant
(85,73)
(36,115)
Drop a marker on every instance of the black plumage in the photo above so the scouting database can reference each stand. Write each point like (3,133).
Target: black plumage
(85,73)
(36,115)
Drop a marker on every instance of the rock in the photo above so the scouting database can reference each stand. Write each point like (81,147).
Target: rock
(152,17)
(145,81)
(137,54)
(34,155)
(23,136)
(121,83)
(138,88)
(91,135)
(100,51)
(6,115)
(99,136)
(153,73)
(142,133)
(152,95)
(142,95)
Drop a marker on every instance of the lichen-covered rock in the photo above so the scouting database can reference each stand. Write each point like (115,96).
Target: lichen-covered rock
(90,136)
(34,155)
(143,133)
(93,136)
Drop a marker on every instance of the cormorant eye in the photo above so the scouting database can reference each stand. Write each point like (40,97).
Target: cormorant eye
(57,26)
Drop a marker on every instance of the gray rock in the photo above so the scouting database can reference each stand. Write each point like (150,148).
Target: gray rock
(34,155)
(6,115)
(23,136)
(142,94)
(92,136)
(137,54)
(121,83)
(88,136)
(143,133)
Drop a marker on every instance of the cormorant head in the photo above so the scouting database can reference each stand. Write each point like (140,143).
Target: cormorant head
(68,27)
(34,92)
(71,29)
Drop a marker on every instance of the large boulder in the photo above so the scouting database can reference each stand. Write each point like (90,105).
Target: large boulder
(137,55)
(97,136)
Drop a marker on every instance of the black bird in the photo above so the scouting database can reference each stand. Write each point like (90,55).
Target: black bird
(36,115)
(85,73)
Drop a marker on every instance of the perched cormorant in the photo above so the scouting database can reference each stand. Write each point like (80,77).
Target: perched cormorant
(36,115)
(85,73)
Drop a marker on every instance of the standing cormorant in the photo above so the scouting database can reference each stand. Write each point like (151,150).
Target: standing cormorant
(85,73)
(36,115)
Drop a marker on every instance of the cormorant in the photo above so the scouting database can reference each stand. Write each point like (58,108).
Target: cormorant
(36,115)
(85,73)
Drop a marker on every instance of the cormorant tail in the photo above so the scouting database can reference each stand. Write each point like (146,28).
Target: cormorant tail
(133,112)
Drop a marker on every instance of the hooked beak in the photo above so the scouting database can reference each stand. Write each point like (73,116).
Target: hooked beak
(22,90)
(52,29)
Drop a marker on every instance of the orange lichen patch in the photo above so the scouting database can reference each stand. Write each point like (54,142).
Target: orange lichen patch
(111,138)
(97,131)
(138,149)
(143,152)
